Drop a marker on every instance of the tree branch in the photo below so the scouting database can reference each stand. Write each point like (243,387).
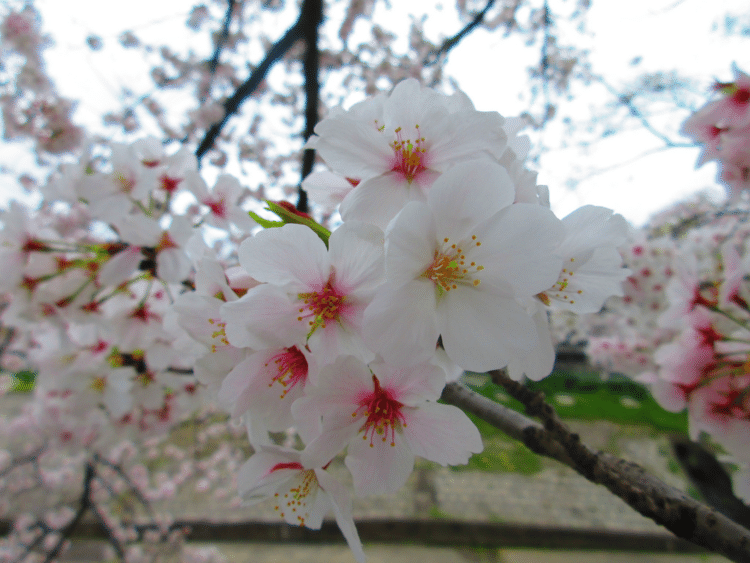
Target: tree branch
(433,57)
(511,422)
(85,505)
(312,15)
(245,90)
(221,41)
(666,505)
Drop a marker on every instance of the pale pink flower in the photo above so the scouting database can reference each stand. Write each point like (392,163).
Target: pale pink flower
(399,145)
(457,267)
(733,110)
(265,385)
(311,296)
(384,416)
(328,189)
(302,494)
(592,265)
(222,202)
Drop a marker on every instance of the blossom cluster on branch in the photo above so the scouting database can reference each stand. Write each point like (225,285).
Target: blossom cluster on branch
(682,325)
(722,126)
(339,335)
(447,260)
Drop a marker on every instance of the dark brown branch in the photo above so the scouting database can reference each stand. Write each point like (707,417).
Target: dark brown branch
(433,57)
(222,40)
(666,505)
(84,506)
(245,90)
(511,422)
(312,16)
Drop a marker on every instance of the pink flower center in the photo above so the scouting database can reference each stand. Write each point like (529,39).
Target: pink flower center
(291,365)
(165,242)
(383,412)
(321,307)
(170,185)
(218,207)
(409,156)
(741,96)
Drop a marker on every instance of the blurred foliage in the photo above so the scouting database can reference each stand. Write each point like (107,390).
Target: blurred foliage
(503,455)
(585,395)
(22,382)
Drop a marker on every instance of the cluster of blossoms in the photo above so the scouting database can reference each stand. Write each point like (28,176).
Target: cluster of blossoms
(448,259)
(30,106)
(91,276)
(126,485)
(89,281)
(723,128)
(683,323)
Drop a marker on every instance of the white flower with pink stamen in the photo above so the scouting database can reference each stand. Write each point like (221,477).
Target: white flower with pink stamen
(265,385)
(401,145)
(592,265)
(311,296)
(384,416)
(303,494)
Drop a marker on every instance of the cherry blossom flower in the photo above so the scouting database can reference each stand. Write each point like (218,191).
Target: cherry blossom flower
(222,203)
(592,265)
(312,297)
(384,416)
(399,145)
(266,384)
(457,266)
(303,494)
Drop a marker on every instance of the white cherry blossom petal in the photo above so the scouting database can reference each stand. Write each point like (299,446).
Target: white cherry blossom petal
(356,253)
(523,238)
(377,200)
(467,194)
(400,323)
(379,467)
(290,255)
(443,434)
(482,327)
(260,319)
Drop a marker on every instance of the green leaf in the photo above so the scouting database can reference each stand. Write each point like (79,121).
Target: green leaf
(23,382)
(265,223)
(289,216)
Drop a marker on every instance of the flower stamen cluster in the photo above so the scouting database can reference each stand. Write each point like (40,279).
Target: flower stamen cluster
(449,267)
(383,414)
(408,155)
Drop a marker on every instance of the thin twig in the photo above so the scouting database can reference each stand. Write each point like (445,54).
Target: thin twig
(84,506)
(222,40)
(627,101)
(245,90)
(434,56)
(134,490)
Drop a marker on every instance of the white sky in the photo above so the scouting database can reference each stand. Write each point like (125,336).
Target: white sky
(668,34)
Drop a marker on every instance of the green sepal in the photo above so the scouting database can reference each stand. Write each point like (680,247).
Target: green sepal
(265,223)
(289,217)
